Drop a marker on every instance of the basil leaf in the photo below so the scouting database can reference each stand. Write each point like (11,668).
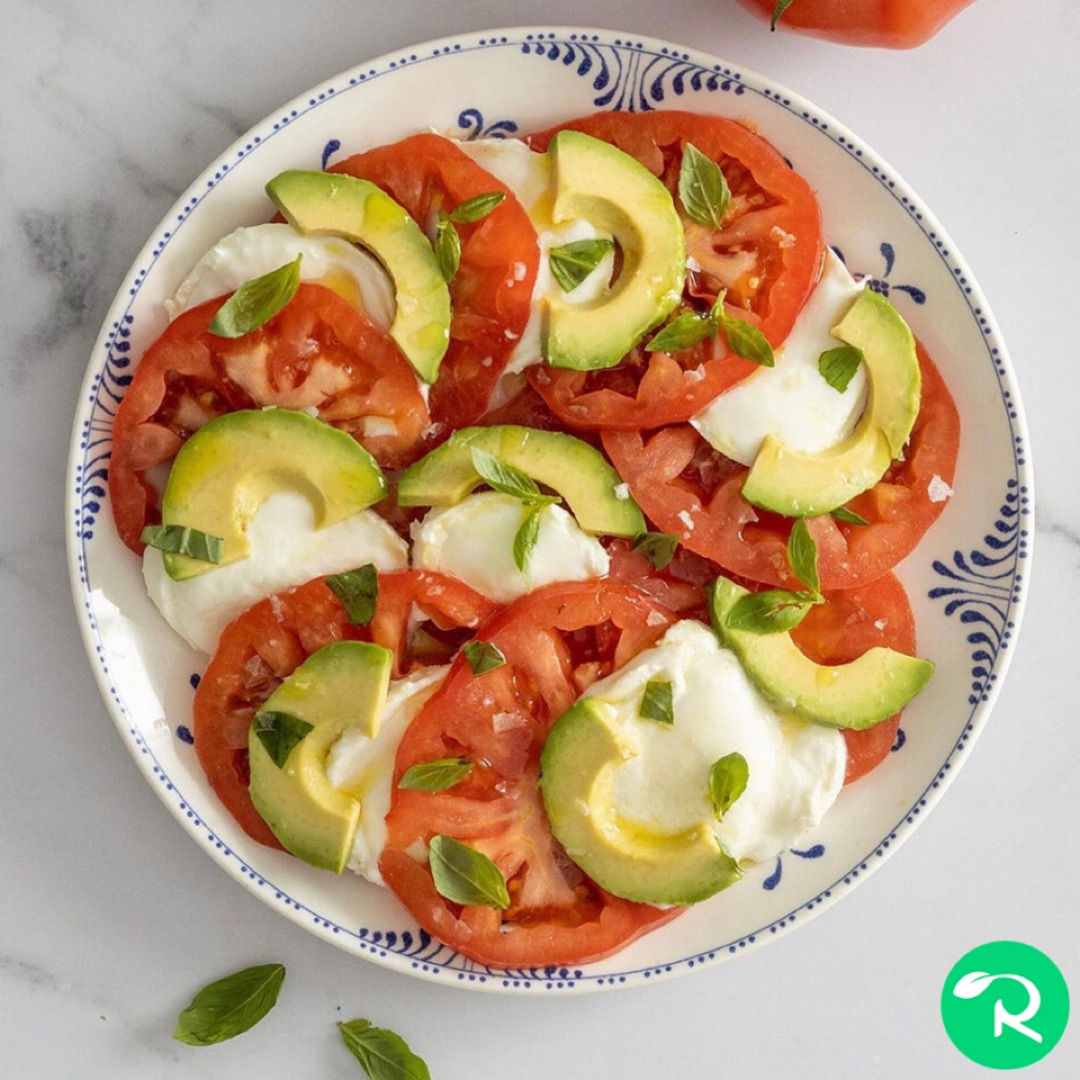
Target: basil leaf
(572,263)
(848,517)
(432,776)
(781,7)
(483,656)
(704,191)
(447,247)
(256,301)
(746,341)
(727,781)
(525,539)
(358,591)
(838,366)
(230,1006)
(465,876)
(657,547)
(656,703)
(683,332)
(476,208)
(802,555)
(279,732)
(502,476)
(180,540)
(383,1054)
(770,612)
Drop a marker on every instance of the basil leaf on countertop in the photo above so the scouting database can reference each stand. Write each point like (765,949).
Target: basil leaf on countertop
(769,612)
(358,591)
(658,547)
(477,208)
(432,776)
(256,301)
(230,1006)
(702,188)
(838,366)
(483,657)
(279,732)
(382,1053)
(180,540)
(656,702)
(572,263)
(466,876)
(727,781)
(802,555)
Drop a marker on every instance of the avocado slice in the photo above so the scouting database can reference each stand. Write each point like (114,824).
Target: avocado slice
(583,753)
(339,687)
(577,471)
(594,180)
(360,212)
(800,484)
(856,695)
(231,465)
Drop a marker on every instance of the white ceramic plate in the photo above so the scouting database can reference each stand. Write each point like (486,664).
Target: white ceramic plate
(967,580)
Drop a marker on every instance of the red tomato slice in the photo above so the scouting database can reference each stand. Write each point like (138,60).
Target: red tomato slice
(767,255)
(491,293)
(317,352)
(556,641)
(270,640)
(841,630)
(685,487)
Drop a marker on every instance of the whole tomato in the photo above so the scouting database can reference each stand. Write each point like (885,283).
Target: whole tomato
(887,24)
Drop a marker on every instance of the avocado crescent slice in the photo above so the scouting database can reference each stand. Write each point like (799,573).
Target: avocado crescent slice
(857,695)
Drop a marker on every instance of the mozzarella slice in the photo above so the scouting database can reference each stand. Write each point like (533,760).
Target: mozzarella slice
(251,252)
(286,550)
(364,767)
(528,175)
(796,769)
(791,400)
(474,541)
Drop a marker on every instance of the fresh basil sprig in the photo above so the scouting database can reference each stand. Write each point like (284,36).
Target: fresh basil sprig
(279,732)
(572,263)
(382,1053)
(691,327)
(432,776)
(466,876)
(526,537)
(256,301)
(727,781)
(658,547)
(703,190)
(477,208)
(781,7)
(358,591)
(656,702)
(838,366)
(447,247)
(802,556)
(848,517)
(180,540)
(230,1006)
(772,611)
(483,657)
(683,332)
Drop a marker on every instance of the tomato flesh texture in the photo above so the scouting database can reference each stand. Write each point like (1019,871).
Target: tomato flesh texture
(271,639)
(685,487)
(767,256)
(491,293)
(317,352)
(500,720)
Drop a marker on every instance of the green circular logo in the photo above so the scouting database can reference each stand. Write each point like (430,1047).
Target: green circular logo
(1005,1005)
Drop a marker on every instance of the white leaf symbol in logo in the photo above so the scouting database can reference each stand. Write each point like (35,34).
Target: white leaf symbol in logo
(974,983)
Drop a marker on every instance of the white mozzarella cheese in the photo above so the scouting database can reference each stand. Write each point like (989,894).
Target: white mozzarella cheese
(253,251)
(791,400)
(286,550)
(796,768)
(364,767)
(474,541)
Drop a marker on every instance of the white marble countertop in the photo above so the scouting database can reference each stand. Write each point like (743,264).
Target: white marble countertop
(110,919)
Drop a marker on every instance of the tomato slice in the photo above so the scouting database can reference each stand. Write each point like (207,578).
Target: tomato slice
(556,641)
(686,487)
(270,640)
(317,352)
(491,293)
(841,630)
(767,256)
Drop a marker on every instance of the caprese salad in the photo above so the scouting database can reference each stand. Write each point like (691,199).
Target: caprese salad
(536,503)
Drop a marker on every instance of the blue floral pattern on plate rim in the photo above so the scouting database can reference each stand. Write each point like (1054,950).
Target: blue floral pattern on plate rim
(983,586)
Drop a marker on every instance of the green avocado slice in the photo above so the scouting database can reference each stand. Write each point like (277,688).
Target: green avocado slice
(340,687)
(582,755)
(801,484)
(856,695)
(593,490)
(362,213)
(234,463)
